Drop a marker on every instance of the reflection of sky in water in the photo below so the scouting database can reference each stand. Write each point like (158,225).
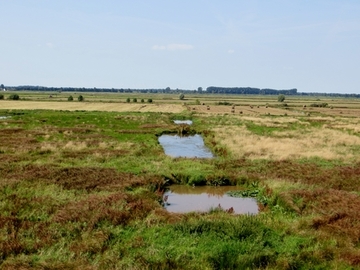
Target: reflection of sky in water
(202,201)
(187,122)
(184,146)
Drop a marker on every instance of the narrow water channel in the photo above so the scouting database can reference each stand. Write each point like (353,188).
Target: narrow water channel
(184,199)
(185,146)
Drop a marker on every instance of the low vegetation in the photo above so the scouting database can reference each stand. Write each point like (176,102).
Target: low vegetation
(83,189)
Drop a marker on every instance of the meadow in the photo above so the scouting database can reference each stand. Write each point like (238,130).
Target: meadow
(81,183)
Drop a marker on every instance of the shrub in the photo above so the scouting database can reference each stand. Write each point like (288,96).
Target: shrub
(1,96)
(281,98)
(321,105)
(142,100)
(14,97)
(134,99)
(181,96)
(70,98)
(128,100)
(80,98)
(150,100)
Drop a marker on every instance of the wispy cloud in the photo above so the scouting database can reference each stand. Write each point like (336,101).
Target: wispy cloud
(231,51)
(173,47)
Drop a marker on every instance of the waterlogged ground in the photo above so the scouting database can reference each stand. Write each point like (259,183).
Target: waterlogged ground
(191,146)
(85,190)
(185,199)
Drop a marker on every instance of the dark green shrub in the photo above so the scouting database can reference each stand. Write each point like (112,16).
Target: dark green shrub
(149,100)
(80,98)
(1,96)
(281,98)
(181,96)
(134,99)
(14,97)
(70,98)
(142,100)
(128,100)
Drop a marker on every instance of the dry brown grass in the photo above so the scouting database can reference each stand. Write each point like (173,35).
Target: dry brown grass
(323,143)
(91,106)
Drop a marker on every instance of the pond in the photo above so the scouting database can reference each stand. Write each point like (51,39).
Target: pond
(186,122)
(184,199)
(185,146)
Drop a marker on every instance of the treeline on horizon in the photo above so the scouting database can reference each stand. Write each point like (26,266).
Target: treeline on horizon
(209,90)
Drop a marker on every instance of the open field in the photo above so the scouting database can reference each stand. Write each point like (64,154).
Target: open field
(81,183)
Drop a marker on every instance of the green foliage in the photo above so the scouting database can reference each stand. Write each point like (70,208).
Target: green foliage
(149,100)
(134,99)
(181,96)
(70,98)
(1,96)
(142,100)
(281,98)
(80,98)
(321,105)
(14,97)
(128,100)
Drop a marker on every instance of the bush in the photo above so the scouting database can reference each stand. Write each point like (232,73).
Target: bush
(14,97)
(80,98)
(181,96)
(70,98)
(128,100)
(281,98)
(134,99)
(142,100)
(321,105)
(1,96)
(150,100)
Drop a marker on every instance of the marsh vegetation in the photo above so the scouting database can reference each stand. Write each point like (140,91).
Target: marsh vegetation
(83,188)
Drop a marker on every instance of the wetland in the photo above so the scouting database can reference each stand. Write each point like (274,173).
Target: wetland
(84,188)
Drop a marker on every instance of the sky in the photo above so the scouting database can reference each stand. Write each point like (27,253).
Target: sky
(311,45)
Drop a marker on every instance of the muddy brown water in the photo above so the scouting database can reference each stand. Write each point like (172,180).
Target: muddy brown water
(184,199)
(185,146)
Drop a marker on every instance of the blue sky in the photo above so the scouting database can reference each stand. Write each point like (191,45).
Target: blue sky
(313,46)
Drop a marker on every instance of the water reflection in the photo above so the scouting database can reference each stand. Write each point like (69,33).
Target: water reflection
(183,199)
(185,146)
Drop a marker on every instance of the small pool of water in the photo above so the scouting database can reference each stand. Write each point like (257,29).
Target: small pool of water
(185,146)
(4,117)
(184,199)
(187,122)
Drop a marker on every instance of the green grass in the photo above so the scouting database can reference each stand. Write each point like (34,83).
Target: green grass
(84,190)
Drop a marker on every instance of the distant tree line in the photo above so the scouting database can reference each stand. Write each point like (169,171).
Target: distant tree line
(168,90)
(249,91)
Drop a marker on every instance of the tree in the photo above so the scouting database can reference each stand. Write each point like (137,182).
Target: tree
(200,89)
(134,99)
(281,98)
(2,87)
(80,98)
(70,98)
(128,100)
(1,96)
(181,96)
(142,100)
(150,100)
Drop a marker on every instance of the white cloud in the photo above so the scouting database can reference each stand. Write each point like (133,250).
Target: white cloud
(173,47)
